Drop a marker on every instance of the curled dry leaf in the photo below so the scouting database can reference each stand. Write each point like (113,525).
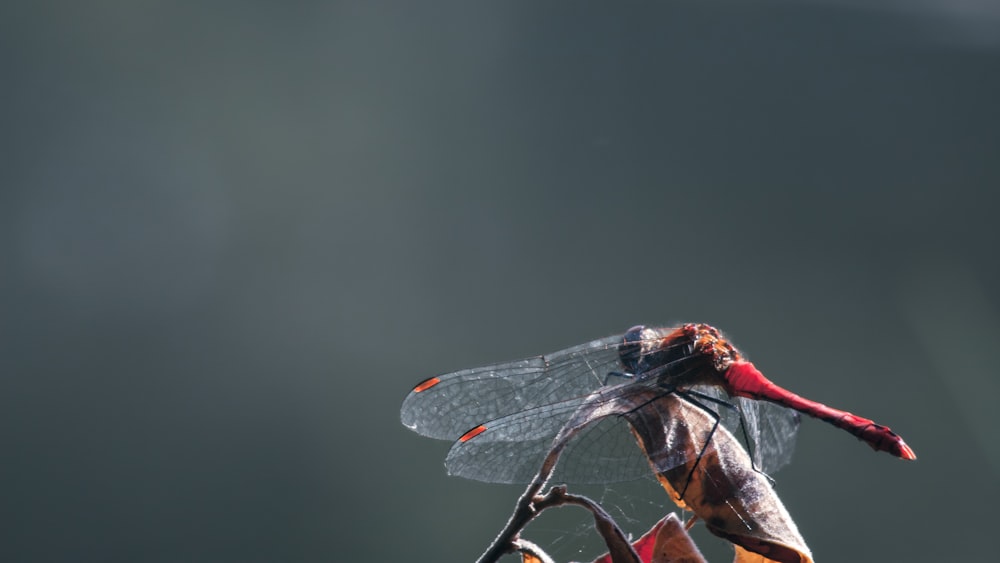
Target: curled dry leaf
(720,486)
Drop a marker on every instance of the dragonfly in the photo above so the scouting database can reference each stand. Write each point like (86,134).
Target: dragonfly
(503,417)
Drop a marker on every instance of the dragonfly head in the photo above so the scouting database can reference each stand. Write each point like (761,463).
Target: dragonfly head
(631,349)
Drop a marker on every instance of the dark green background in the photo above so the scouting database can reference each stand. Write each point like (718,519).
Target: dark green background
(234,236)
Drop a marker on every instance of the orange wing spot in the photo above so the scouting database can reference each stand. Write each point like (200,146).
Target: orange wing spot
(426,384)
(472,433)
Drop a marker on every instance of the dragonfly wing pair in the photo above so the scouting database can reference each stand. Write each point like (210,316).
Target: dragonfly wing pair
(504,417)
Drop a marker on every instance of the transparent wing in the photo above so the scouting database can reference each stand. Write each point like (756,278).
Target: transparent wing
(773,429)
(447,406)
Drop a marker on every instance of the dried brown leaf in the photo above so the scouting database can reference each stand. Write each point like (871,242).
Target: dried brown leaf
(720,486)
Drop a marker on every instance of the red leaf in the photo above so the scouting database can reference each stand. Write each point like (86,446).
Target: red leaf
(666,542)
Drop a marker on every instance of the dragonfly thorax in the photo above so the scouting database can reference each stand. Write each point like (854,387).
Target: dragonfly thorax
(708,342)
(691,354)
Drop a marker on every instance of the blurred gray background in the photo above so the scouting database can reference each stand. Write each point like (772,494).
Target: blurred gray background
(233,236)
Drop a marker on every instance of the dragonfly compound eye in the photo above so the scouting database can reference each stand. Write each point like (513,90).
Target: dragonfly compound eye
(630,350)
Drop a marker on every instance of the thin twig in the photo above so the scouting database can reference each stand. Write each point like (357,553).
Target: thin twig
(524,511)
(619,548)
(598,406)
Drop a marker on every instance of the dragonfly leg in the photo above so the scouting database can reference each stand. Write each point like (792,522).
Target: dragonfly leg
(748,444)
(621,374)
(689,397)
